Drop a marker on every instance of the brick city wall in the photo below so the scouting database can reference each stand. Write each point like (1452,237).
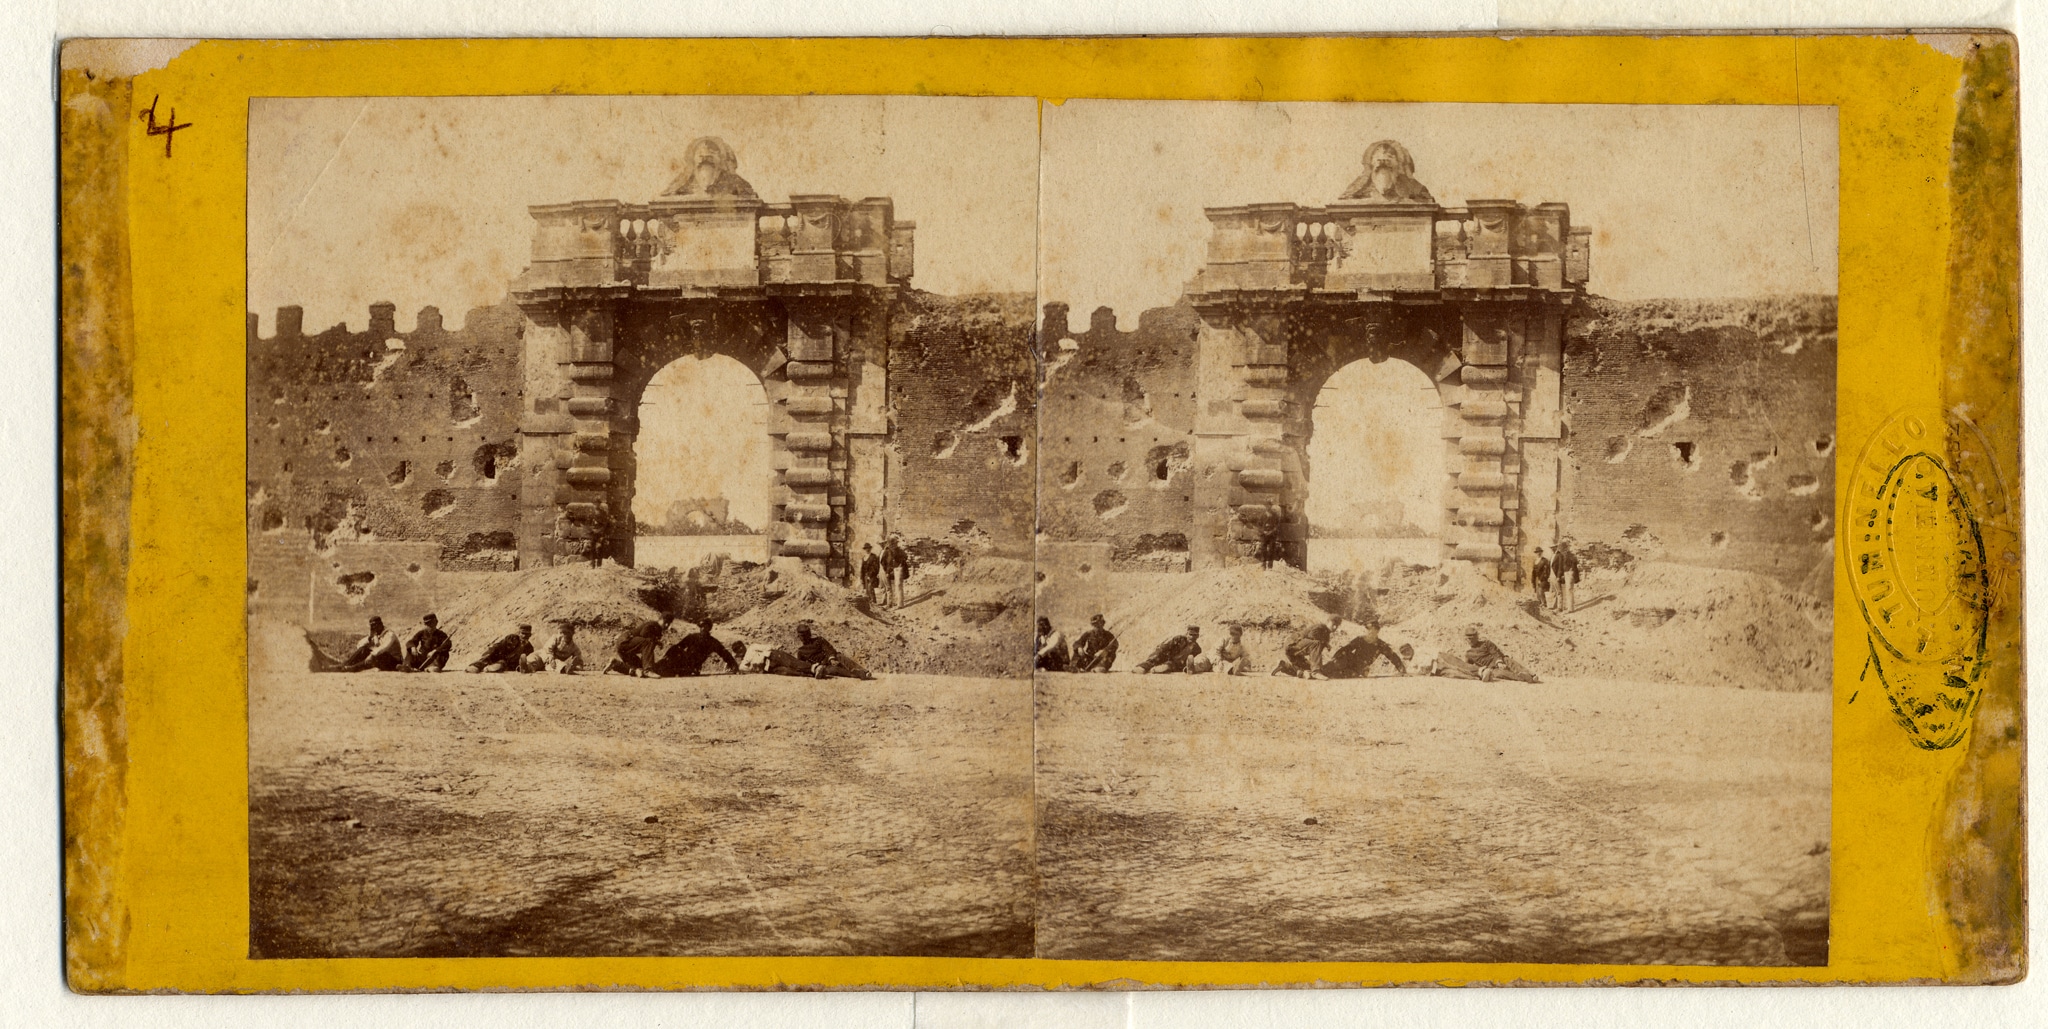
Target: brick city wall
(1698,431)
(1119,429)
(965,418)
(356,444)
(371,436)
(1702,432)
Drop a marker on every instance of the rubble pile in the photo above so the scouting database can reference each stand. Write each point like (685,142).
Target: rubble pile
(1658,623)
(603,603)
(1272,605)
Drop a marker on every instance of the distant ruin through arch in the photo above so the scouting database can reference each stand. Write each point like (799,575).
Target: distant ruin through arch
(800,292)
(1376,464)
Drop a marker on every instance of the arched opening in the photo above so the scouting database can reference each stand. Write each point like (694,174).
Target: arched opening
(704,481)
(1376,469)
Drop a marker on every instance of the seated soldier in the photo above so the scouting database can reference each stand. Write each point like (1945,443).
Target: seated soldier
(562,655)
(1482,661)
(1231,654)
(1174,654)
(1303,655)
(428,649)
(635,653)
(822,658)
(507,654)
(1354,660)
(1053,654)
(1095,651)
(379,651)
(688,655)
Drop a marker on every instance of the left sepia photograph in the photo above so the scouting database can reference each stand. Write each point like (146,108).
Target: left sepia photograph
(640,506)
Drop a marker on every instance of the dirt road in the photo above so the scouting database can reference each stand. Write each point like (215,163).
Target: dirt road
(1204,818)
(455,814)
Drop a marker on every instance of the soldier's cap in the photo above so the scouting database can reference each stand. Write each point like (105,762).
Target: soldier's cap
(1194,630)
(430,619)
(1094,619)
(806,625)
(376,620)
(1472,630)
(525,628)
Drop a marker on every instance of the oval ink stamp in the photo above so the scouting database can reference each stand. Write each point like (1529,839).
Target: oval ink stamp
(1914,546)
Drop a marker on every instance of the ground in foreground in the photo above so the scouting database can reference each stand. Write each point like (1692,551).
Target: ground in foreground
(468,815)
(1414,819)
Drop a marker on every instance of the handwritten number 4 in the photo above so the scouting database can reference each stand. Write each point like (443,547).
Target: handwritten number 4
(170,126)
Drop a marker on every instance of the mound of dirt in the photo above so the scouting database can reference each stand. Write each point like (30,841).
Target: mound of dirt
(1272,605)
(603,603)
(974,624)
(1661,622)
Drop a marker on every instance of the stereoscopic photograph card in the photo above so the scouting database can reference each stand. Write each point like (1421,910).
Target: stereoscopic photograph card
(1041,514)
(1480,529)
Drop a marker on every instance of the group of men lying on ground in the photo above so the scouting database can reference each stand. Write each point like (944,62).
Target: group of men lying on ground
(638,653)
(1095,651)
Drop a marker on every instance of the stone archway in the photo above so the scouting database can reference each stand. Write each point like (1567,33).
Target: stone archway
(800,293)
(1475,297)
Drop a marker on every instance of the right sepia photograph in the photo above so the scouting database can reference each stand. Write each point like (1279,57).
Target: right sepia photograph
(1434,532)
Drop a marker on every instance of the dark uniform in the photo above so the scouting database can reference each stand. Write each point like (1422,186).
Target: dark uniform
(1271,549)
(1566,568)
(896,568)
(428,650)
(688,655)
(1095,651)
(504,655)
(1304,653)
(1354,660)
(636,651)
(1483,660)
(1173,655)
(824,660)
(871,574)
(1539,580)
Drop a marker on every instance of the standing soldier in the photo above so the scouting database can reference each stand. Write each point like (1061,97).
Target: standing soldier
(870,572)
(1539,580)
(1270,547)
(1566,568)
(1095,651)
(895,565)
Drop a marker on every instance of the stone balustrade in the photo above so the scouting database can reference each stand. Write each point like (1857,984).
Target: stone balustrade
(719,243)
(1377,247)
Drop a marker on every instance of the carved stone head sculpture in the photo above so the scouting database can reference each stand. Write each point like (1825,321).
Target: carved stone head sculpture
(710,168)
(1389,177)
